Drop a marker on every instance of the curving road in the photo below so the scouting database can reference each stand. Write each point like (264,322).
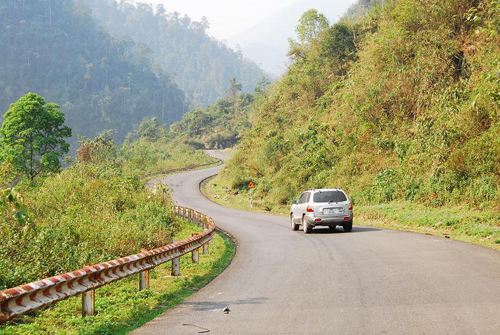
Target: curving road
(370,281)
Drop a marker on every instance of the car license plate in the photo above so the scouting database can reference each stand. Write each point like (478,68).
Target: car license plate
(333,210)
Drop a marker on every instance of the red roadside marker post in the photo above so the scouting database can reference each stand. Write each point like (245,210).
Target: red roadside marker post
(251,187)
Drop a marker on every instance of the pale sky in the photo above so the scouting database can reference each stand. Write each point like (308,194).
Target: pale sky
(226,17)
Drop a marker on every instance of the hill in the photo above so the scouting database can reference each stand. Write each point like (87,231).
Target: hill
(220,125)
(56,49)
(200,65)
(402,104)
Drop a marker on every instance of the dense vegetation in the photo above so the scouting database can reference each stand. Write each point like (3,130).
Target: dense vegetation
(401,104)
(200,65)
(95,210)
(221,125)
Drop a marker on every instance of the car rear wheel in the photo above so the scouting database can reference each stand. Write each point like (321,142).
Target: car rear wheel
(306,226)
(348,226)
(294,225)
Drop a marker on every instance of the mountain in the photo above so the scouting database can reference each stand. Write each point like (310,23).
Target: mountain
(267,42)
(200,65)
(56,49)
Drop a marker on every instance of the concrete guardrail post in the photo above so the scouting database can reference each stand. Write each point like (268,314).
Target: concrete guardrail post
(176,266)
(195,254)
(205,248)
(88,303)
(144,280)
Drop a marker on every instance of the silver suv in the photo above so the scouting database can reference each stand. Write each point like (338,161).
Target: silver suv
(324,207)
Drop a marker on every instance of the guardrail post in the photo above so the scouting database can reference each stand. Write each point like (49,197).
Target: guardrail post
(88,303)
(176,266)
(195,254)
(144,280)
(205,248)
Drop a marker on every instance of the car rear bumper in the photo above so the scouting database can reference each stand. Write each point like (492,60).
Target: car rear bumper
(328,220)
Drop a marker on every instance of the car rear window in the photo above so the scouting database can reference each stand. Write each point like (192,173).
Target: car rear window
(329,196)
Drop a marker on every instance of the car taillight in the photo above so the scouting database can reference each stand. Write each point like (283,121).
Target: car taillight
(350,207)
(310,209)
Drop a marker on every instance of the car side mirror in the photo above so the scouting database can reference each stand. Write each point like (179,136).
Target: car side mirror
(294,202)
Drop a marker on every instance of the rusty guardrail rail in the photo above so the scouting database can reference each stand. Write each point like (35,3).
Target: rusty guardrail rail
(29,297)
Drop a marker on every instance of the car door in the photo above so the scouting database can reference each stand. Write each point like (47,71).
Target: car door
(297,211)
(302,205)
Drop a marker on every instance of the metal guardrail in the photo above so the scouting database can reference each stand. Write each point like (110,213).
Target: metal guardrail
(26,298)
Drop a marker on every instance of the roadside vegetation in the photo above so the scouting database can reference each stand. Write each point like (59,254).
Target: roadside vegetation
(221,125)
(400,107)
(55,220)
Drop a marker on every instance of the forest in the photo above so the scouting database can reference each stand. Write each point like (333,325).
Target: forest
(105,79)
(200,65)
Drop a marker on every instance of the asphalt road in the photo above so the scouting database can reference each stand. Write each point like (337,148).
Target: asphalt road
(369,281)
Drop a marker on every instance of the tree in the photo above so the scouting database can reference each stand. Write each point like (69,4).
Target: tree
(32,136)
(150,129)
(234,88)
(311,24)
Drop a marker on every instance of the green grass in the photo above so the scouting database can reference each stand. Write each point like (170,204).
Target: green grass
(144,157)
(121,307)
(458,222)
(218,190)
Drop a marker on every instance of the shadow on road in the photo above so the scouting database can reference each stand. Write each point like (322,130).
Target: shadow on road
(211,305)
(339,230)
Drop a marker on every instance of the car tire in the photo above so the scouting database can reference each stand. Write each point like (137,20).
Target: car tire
(306,226)
(347,226)
(294,225)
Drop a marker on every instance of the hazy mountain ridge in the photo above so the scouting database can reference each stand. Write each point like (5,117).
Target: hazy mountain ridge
(56,49)
(200,65)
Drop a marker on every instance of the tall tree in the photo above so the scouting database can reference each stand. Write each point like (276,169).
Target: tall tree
(310,25)
(32,136)
(234,88)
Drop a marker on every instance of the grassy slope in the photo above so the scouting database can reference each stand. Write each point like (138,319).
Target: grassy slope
(457,222)
(410,113)
(401,109)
